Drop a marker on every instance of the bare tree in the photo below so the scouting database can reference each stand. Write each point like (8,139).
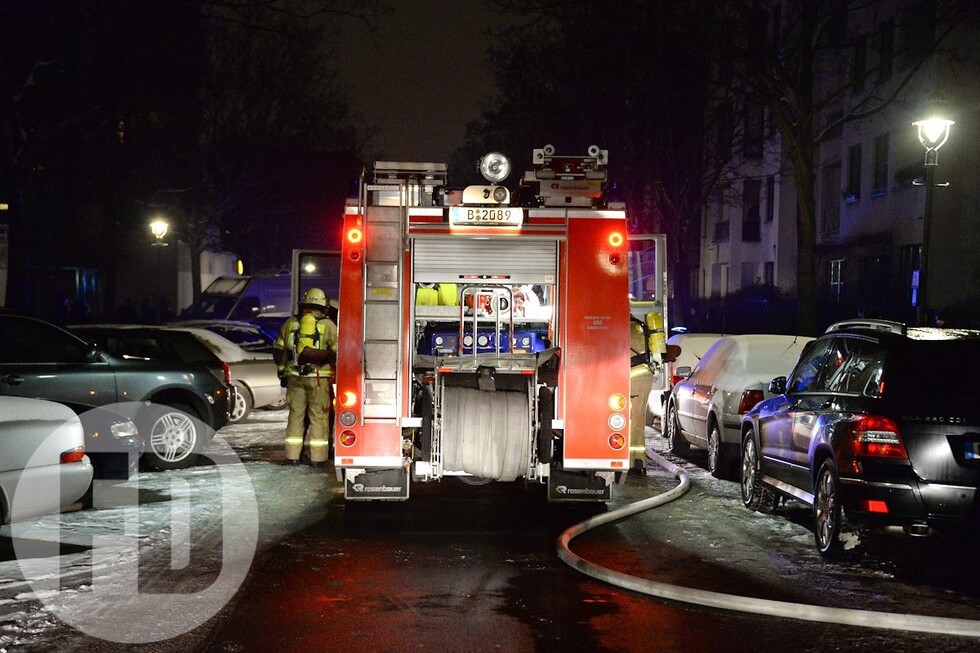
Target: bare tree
(810,67)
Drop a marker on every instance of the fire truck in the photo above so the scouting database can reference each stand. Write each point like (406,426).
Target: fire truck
(485,334)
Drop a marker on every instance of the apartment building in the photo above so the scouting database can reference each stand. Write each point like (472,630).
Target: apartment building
(869,173)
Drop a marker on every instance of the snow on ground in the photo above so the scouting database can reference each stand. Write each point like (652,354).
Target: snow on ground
(167,554)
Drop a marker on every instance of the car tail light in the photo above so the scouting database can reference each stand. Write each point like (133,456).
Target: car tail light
(75,455)
(226,371)
(874,505)
(876,436)
(749,399)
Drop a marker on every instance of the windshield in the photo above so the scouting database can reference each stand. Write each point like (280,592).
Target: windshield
(210,307)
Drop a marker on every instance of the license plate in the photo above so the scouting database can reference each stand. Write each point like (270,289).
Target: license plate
(486,216)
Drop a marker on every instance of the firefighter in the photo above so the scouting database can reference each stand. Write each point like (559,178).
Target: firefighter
(305,353)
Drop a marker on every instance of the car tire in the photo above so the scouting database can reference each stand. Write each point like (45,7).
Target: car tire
(174,436)
(756,495)
(676,444)
(243,404)
(828,518)
(718,463)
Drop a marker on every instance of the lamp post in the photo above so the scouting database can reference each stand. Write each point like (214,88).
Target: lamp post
(159,228)
(933,133)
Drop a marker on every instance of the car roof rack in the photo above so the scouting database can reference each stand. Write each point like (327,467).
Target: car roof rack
(863,323)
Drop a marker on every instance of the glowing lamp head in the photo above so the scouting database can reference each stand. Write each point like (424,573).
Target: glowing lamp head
(495,167)
(355,235)
(617,402)
(348,398)
(616,239)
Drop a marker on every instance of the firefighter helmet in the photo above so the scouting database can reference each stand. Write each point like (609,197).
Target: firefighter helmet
(314,297)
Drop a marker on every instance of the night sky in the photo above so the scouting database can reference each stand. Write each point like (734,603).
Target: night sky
(421,78)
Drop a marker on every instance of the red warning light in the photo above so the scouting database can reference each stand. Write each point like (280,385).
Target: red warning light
(355,235)
(616,239)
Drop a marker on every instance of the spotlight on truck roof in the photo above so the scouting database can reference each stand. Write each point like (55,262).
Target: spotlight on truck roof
(495,167)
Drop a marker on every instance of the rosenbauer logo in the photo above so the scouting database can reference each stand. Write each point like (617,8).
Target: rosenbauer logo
(157,568)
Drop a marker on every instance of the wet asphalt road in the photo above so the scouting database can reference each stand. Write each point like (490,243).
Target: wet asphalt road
(473,568)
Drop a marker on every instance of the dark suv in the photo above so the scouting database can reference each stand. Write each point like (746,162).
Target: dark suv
(176,406)
(863,431)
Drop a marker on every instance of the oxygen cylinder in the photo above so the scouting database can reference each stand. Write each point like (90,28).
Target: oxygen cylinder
(307,332)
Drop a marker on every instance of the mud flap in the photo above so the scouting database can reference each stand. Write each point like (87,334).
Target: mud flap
(383,484)
(577,486)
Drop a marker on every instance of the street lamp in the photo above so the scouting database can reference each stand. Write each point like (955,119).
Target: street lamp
(933,133)
(159,229)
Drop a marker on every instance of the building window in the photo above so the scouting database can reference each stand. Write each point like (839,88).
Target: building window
(751,191)
(835,279)
(719,279)
(886,49)
(830,198)
(770,198)
(753,129)
(859,63)
(853,190)
(881,166)
(918,31)
(911,255)
(723,133)
(722,229)
(769,273)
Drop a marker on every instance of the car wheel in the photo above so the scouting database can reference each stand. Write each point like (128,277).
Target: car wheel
(827,514)
(173,437)
(717,463)
(676,444)
(243,404)
(756,495)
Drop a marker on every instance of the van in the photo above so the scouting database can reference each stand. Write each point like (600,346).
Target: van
(247,298)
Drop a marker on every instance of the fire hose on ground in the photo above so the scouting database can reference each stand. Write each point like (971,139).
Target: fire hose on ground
(767,607)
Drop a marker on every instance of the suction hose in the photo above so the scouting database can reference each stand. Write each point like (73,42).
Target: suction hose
(806,612)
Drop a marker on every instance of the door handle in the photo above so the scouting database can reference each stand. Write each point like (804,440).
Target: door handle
(13,379)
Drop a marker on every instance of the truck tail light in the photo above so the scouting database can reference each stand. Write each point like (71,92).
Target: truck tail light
(876,436)
(348,438)
(355,235)
(348,398)
(617,402)
(749,399)
(72,455)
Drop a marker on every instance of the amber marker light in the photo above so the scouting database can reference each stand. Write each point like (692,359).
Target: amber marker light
(617,402)
(348,398)
(347,438)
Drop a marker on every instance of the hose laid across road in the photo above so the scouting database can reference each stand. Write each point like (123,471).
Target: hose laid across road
(806,612)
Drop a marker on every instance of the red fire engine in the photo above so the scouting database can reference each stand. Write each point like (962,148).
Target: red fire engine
(485,335)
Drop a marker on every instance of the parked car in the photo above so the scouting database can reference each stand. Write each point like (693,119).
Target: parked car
(254,376)
(877,424)
(705,409)
(43,466)
(692,347)
(176,406)
(250,337)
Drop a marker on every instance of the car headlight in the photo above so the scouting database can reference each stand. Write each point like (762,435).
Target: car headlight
(125,429)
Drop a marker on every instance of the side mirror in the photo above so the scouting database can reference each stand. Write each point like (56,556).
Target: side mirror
(683,370)
(778,385)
